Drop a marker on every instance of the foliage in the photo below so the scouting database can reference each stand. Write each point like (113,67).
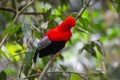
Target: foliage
(95,39)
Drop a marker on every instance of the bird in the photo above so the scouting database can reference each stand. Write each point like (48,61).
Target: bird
(55,39)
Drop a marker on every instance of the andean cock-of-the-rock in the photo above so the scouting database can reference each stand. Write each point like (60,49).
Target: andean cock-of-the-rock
(55,39)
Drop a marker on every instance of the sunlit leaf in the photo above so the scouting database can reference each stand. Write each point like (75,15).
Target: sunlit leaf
(12,48)
(76,77)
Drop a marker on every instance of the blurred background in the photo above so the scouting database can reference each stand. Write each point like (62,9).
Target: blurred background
(93,53)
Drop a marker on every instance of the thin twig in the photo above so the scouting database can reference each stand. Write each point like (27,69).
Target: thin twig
(3,40)
(34,28)
(80,74)
(16,16)
(24,13)
(103,67)
(21,68)
(15,5)
(24,8)
(82,10)
(7,9)
(32,13)
(47,67)
(69,76)
(69,72)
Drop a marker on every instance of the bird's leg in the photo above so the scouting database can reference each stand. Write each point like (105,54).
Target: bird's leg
(58,54)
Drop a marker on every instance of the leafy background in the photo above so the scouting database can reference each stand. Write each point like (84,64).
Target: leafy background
(91,54)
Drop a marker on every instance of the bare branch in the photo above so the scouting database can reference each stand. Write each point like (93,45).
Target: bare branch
(7,9)
(24,13)
(16,16)
(32,13)
(103,67)
(3,40)
(23,9)
(47,67)
(69,72)
(21,68)
(14,2)
(82,10)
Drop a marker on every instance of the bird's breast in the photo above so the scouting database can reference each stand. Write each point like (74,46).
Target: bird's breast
(60,36)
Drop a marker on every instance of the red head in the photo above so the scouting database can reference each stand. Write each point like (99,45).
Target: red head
(67,24)
(62,32)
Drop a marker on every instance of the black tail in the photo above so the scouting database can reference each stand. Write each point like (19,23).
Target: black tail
(35,56)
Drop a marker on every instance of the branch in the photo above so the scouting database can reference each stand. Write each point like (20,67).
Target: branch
(82,10)
(23,9)
(24,13)
(16,16)
(14,2)
(21,68)
(32,13)
(7,9)
(3,40)
(103,67)
(47,67)
(80,74)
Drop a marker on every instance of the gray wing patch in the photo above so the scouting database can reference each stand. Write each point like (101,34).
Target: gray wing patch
(44,42)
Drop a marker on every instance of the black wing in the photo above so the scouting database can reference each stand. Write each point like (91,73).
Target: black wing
(46,47)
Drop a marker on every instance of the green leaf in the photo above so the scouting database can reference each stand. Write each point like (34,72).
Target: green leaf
(8,29)
(32,73)
(85,24)
(63,67)
(47,14)
(100,47)
(118,5)
(28,57)
(3,76)
(76,77)
(26,69)
(90,49)
(81,30)
(16,28)
(26,30)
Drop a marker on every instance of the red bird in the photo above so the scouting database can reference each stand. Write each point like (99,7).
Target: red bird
(54,40)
